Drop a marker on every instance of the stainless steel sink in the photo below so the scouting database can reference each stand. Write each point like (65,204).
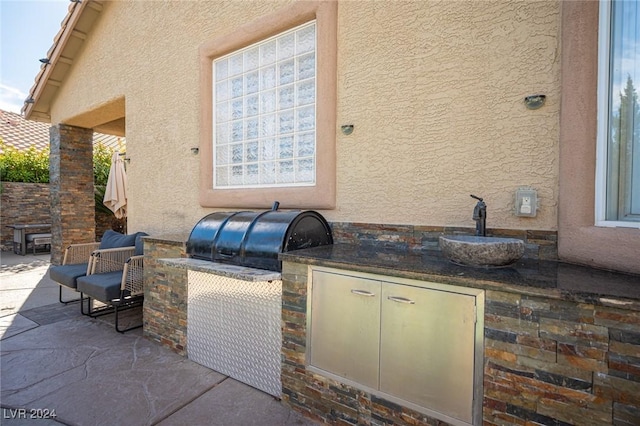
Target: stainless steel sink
(474,250)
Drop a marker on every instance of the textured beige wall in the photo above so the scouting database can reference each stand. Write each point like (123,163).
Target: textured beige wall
(435,91)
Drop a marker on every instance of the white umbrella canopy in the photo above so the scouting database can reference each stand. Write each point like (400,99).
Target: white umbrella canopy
(115,194)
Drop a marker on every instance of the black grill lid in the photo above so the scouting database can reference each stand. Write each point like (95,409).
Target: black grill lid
(254,239)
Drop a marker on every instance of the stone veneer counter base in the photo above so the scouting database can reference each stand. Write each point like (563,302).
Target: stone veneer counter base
(561,341)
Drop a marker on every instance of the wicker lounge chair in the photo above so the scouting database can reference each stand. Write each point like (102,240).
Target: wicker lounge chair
(115,280)
(78,259)
(75,264)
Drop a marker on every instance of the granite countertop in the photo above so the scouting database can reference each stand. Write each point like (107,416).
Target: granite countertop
(176,238)
(527,276)
(232,271)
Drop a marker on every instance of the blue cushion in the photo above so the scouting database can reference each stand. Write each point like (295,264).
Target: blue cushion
(102,287)
(67,275)
(139,243)
(113,239)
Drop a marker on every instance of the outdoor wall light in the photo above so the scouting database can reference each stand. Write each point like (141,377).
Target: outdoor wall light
(347,129)
(45,61)
(534,101)
(195,151)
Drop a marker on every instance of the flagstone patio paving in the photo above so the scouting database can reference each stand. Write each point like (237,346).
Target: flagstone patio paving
(54,359)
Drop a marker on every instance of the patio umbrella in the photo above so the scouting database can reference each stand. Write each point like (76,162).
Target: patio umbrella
(115,194)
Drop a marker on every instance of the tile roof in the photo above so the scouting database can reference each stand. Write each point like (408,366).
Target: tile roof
(22,134)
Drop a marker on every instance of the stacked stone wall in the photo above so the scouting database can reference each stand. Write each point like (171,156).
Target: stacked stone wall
(29,203)
(539,244)
(559,362)
(72,191)
(24,204)
(165,296)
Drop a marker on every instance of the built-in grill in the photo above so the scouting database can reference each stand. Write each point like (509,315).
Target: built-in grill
(254,239)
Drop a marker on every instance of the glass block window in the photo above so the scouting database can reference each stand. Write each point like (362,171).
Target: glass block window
(265,113)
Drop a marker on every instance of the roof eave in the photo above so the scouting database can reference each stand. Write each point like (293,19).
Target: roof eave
(37,105)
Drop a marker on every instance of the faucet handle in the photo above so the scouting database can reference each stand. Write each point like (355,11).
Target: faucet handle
(476,197)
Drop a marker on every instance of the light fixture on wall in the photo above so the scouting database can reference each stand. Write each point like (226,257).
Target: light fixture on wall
(347,129)
(195,150)
(45,61)
(534,101)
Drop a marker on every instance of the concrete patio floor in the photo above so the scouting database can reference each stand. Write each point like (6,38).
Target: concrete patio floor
(54,359)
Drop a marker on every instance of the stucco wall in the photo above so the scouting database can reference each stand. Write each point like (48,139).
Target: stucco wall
(434,89)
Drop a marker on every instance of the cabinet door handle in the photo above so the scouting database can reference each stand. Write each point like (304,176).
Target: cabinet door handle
(362,293)
(401,300)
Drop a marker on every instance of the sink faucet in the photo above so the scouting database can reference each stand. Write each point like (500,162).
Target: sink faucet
(480,216)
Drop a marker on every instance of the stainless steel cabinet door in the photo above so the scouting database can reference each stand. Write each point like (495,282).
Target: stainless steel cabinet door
(427,348)
(345,326)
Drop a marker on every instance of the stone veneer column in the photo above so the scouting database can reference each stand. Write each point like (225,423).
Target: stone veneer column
(165,294)
(71,183)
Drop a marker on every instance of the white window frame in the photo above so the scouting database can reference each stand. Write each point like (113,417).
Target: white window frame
(604,58)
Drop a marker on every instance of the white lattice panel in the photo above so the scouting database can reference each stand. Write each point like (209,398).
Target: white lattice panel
(233,327)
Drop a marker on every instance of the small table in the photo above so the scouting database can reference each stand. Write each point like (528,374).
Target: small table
(19,235)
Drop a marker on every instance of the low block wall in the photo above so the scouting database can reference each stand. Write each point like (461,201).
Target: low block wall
(25,204)
(29,203)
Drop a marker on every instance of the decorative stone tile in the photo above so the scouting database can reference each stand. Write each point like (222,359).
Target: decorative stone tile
(586,413)
(625,336)
(627,367)
(583,363)
(574,332)
(563,381)
(626,415)
(514,325)
(563,370)
(504,297)
(530,416)
(568,311)
(502,309)
(616,389)
(538,343)
(582,351)
(620,348)
(519,350)
(617,318)
(499,335)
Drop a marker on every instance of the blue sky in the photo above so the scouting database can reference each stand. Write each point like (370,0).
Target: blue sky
(27,29)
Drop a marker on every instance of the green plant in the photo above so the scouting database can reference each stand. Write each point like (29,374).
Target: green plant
(30,165)
(101,165)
